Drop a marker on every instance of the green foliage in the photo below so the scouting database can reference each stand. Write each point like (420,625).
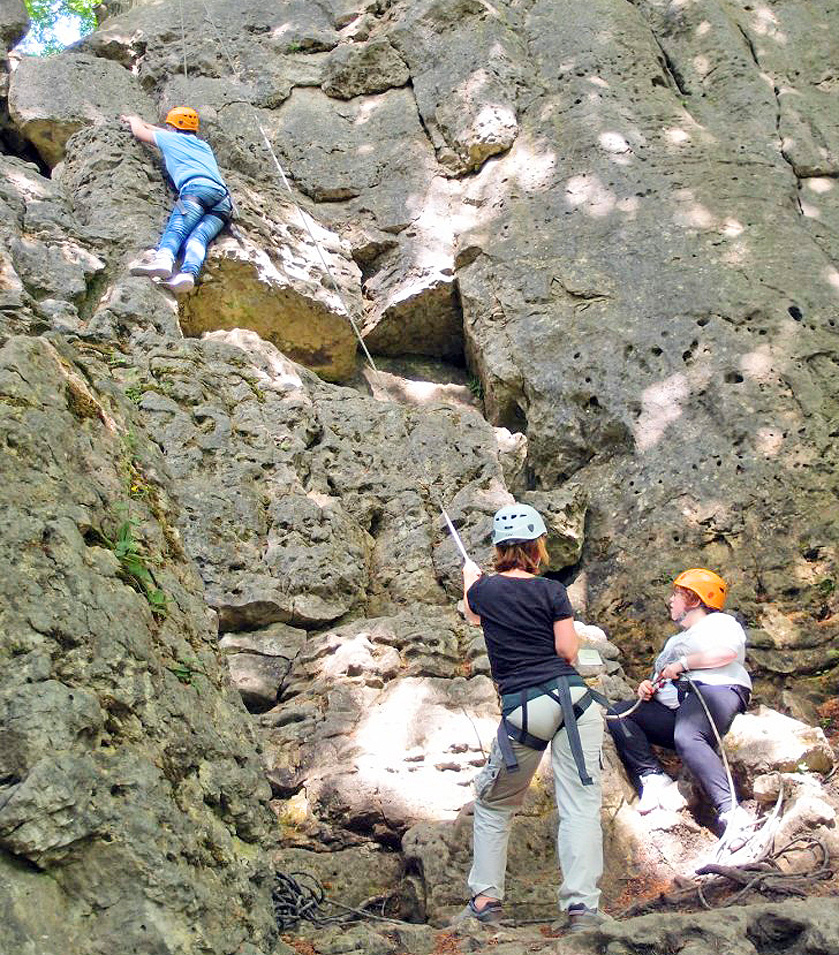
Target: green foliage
(186,671)
(55,23)
(134,565)
(476,387)
(117,360)
(134,393)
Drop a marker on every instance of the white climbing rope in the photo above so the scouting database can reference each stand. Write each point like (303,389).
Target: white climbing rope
(303,218)
(183,36)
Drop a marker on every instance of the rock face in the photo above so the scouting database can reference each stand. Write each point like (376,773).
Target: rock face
(14,22)
(616,219)
(127,766)
(82,90)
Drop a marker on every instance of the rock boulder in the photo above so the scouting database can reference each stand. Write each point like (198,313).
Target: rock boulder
(767,741)
(14,22)
(50,98)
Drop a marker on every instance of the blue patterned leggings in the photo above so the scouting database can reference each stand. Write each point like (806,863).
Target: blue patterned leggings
(191,227)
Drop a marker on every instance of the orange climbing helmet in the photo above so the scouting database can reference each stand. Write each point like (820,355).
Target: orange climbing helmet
(708,586)
(183,117)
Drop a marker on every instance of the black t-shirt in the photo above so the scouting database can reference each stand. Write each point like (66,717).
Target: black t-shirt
(517,615)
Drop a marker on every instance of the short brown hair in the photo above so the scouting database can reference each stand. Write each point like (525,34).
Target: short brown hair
(522,555)
(693,599)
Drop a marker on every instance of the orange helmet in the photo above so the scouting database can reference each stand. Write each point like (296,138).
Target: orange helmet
(708,586)
(183,117)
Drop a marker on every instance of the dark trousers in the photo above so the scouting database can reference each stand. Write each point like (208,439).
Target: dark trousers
(687,731)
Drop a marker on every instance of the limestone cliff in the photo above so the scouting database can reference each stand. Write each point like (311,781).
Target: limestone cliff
(592,249)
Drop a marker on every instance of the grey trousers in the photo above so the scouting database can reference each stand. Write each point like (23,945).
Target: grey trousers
(500,793)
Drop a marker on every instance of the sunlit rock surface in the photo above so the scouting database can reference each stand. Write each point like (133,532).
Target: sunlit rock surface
(245,286)
(81,90)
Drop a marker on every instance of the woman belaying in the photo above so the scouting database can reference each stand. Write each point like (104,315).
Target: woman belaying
(710,649)
(203,204)
(531,641)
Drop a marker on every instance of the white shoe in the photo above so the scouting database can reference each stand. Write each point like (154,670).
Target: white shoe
(671,798)
(154,264)
(735,818)
(739,843)
(653,791)
(181,283)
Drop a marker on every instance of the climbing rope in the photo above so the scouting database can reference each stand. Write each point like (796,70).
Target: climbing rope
(763,877)
(303,218)
(631,710)
(299,896)
(183,36)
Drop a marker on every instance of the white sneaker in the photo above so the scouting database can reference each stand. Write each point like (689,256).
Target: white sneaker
(739,843)
(671,798)
(734,819)
(154,264)
(181,283)
(653,787)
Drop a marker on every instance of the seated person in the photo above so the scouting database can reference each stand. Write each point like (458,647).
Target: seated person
(710,649)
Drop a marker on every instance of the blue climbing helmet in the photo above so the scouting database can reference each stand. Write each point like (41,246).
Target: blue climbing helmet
(517,522)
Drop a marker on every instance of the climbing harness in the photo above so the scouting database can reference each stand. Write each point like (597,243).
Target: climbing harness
(559,690)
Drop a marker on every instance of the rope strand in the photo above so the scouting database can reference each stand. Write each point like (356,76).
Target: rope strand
(303,218)
(183,36)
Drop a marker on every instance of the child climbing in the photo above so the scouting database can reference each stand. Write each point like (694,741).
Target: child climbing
(203,205)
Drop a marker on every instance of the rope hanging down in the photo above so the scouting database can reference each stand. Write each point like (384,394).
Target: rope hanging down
(303,218)
(183,36)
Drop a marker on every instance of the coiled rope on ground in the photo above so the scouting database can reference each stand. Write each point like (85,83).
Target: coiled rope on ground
(299,896)
(765,877)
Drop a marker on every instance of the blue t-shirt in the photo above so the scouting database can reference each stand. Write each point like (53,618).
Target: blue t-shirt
(186,157)
(517,616)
